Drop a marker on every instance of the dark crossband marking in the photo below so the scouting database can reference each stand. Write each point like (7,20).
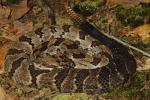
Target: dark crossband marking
(39,32)
(115,76)
(80,55)
(79,79)
(95,43)
(15,65)
(14,51)
(127,59)
(68,84)
(53,30)
(119,61)
(91,82)
(60,77)
(82,35)
(74,45)
(42,48)
(96,61)
(26,39)
(49,78)
(104,79)
(66,28)
(58,41)
(67,63)
(34,73)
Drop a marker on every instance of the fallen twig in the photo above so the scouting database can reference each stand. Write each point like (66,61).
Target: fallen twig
(126,44)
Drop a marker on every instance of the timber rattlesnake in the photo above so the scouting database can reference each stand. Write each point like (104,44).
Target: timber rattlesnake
(65,60)
(69,60)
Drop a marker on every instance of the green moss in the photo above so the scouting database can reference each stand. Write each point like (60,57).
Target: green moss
(11,1)
(142,46)
(136,43)
(129,39)
(133,89)
(132,17)
(88,7)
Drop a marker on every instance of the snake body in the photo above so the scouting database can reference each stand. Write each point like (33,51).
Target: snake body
(65,60)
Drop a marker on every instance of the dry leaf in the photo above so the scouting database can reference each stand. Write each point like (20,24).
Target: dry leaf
(6,96)
(124,3)
(3,52)
(145,65)
(15,30)
(13,12)
(143,32)
(3,95)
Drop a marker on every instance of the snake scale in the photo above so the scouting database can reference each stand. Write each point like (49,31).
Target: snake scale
(67,59)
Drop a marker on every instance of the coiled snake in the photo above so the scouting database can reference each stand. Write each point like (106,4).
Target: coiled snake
(69,60)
